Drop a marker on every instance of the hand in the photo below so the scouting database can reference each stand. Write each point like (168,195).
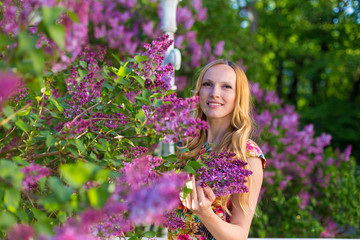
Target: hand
(200,199)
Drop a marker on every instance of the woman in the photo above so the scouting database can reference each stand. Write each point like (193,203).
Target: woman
(225,104)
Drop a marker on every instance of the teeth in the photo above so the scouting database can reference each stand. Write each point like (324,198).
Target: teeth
(214,104)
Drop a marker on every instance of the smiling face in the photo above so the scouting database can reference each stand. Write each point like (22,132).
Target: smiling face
(218,92)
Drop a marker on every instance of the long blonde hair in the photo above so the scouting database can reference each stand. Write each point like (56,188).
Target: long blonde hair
(238,133)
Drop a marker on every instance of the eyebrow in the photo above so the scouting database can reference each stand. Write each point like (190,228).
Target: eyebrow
(206,79)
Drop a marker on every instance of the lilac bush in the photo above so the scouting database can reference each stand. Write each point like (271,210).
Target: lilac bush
(305,178)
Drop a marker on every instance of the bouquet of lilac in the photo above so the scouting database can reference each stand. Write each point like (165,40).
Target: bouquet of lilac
(223,173)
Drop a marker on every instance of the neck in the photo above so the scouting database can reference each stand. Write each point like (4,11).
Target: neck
(217,130)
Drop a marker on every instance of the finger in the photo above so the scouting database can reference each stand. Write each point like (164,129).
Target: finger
(187,201)
(201,196)
(210,194)
(194,197)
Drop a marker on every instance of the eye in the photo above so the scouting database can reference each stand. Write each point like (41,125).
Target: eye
(228,86)
(206,84)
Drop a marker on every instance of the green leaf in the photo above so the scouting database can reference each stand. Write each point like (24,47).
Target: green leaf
(60,108)
(134,238)
(116,57)
(6,219)
(24,112)
(140,116)
(11,199)
(149,234)
(140,80)
(82,72)
(189,169)
(77,174)
(22,215)
(73,16)
(62,193)
(184,150)
(121,72)
(38,61)
(20,161)
(26,42)
(57,33)
(4,40)
(22,125)
(80,146)
(157,102)
(97,197)
(10,171)
(51,14)
(141,58)
(83,64)
(8,111)
(156,95)
(195,165)
(50,140)
(170,158)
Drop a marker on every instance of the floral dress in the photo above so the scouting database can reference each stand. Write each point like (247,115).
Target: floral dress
(193,228)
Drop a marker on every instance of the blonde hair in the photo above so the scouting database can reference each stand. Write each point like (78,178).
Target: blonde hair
(238,133)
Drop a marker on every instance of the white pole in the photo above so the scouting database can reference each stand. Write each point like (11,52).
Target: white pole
(172,55)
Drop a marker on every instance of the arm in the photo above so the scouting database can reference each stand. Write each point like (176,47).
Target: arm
(200,200)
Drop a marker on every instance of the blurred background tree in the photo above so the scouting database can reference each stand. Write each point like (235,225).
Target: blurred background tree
(306,51)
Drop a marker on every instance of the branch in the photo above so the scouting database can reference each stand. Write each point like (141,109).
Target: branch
(42,155)
(13,115)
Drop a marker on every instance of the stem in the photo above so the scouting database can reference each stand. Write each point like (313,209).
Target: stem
(13,115)
(28,143)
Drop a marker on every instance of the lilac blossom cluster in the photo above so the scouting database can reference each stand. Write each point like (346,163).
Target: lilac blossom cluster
(17,17)
(224,173)
(141,170)
(173,222)
(148,204)
(138,199)
(32,175)
(174,119)
(9,82)
(84,90)
(111,22)
(153,67)
(135,152)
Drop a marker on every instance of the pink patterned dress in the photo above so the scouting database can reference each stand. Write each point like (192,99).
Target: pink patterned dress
(194,229)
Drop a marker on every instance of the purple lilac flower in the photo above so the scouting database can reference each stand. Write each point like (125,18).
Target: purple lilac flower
(141,170)
(153,66)
(9,82)
(175,120)
(330,230)
(21,231)
(180,82)
(135,152)
(148,204)
(195,50)
(224,173)
(219,48)
(346,154)
(206,49)
(32,175)
(256,91)
(201,15)
(179,41)
(173,222)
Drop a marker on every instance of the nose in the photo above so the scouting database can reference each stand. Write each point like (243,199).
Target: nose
(215,92)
